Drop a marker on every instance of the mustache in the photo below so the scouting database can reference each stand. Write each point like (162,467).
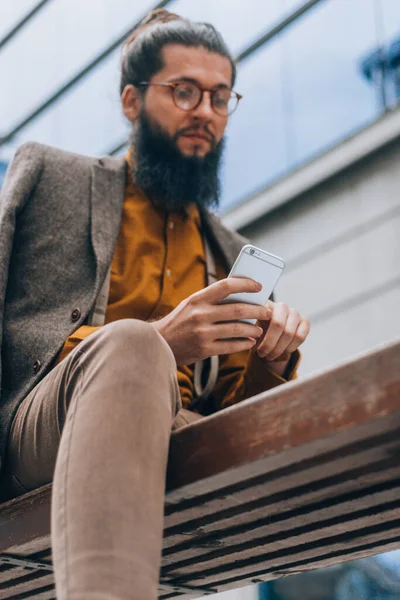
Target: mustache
(203,130)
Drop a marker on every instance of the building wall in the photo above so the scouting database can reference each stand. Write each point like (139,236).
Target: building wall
(341,243)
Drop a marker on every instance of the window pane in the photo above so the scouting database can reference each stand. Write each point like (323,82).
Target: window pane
(3,169)
(330,96)
(88,120)
(389,38)
(388,20)
(305,93)
(239,22)
(65,36)
(11,13)
(256,145)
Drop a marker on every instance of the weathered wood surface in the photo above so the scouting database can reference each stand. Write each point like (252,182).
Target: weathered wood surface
(301,477)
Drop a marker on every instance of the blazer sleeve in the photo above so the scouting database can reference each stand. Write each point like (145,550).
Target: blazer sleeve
(21,179)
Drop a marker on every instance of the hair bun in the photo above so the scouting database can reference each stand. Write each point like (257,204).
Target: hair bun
(158,15)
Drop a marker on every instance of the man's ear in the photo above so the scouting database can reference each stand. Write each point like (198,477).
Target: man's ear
(131,102)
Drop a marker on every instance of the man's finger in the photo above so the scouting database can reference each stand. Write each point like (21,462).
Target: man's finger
(276,328)
(220,290)
(287,337)
(240,310)
(301,335)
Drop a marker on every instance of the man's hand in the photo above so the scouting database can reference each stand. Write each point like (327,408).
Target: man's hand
(199,327)
(283,333)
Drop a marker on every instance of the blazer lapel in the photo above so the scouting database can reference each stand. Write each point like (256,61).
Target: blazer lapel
(228,242)
(107,198)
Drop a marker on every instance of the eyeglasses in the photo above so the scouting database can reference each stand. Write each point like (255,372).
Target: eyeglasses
(188,96)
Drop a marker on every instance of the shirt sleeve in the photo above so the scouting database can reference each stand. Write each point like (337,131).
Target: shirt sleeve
(76,338)
(244,374)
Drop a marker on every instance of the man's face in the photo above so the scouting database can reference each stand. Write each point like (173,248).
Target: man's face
(198,131)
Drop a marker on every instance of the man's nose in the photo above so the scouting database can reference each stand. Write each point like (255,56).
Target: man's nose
(205,109)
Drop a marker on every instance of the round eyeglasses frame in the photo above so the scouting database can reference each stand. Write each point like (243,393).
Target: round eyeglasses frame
(173,85)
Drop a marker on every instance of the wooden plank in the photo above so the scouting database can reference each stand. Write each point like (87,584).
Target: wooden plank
(288,417)
(26,521)
(307,477)
(306,527)
(43,593)
(276,493)
(281,497)
(28,583)
(317,535)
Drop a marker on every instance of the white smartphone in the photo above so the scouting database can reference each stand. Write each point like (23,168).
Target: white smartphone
(261,266)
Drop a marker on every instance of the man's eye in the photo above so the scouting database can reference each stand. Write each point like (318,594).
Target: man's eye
(221,100)
(184,92)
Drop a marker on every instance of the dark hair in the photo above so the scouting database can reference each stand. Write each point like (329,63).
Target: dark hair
(141,53)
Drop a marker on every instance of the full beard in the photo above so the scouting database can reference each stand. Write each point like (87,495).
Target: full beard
(170,179)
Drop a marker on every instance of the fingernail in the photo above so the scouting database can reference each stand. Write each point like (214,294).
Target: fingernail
(259,286)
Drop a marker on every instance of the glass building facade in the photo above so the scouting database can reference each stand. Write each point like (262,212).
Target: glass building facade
(332,70)
(311,75)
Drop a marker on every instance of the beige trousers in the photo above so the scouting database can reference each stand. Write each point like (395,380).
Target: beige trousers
(98,426)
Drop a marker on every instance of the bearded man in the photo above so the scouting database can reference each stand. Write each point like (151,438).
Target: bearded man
(111,274)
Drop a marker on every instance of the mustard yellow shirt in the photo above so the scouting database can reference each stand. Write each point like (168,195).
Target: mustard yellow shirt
(159,260)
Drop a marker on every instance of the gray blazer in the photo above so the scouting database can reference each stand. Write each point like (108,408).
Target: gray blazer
(59,220)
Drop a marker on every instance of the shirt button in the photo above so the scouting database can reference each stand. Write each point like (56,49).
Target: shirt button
(171,224)
(76,313)
(36,366)
(168,272)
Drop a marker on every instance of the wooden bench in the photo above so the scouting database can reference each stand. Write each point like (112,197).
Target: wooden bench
(304,476)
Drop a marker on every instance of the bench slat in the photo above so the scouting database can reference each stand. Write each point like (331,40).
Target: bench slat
(312,526)
(322,486)
(259,575)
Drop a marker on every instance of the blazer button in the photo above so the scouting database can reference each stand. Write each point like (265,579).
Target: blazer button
(36,366)
(75,315)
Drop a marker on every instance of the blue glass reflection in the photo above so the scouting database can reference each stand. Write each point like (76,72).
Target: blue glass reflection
(388,12)
(372,578)
(307,94)
(394,66)
(322,79)
(256,144)
(3,169)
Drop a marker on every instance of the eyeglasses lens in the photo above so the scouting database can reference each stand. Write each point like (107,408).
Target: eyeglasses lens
(187,96)
(224,102)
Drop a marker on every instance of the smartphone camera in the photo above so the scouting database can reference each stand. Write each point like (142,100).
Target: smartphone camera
(252,251)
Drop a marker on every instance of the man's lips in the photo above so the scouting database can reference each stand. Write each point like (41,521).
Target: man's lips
(197,135)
